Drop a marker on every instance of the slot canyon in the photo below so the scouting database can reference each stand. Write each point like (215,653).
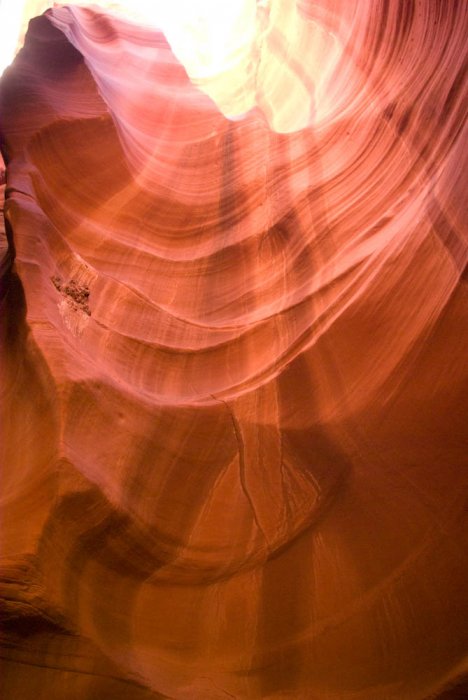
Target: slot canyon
(233,250)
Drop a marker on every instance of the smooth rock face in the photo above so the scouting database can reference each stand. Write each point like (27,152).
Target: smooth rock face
(234,364)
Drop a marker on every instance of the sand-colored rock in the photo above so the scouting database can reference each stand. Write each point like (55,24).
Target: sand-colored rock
(234,364)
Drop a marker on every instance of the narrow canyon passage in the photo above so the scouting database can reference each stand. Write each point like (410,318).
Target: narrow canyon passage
(234,338)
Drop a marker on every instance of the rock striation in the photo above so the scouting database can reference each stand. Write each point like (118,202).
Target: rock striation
(234,352)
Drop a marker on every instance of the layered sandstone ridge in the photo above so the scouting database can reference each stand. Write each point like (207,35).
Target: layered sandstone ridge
(235,361)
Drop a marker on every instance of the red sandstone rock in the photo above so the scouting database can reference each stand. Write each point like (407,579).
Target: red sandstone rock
(234,368)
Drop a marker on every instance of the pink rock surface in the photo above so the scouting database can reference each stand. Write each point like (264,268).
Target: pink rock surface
(234,384)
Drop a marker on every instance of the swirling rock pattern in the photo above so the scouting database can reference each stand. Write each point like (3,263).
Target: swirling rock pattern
(235,361)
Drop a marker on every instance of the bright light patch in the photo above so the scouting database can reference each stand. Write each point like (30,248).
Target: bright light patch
(206,35)
(11,17)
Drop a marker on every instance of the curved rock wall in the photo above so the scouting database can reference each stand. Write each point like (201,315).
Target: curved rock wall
(235,361)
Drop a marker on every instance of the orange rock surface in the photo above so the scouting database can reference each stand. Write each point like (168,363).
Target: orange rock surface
(234,361)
